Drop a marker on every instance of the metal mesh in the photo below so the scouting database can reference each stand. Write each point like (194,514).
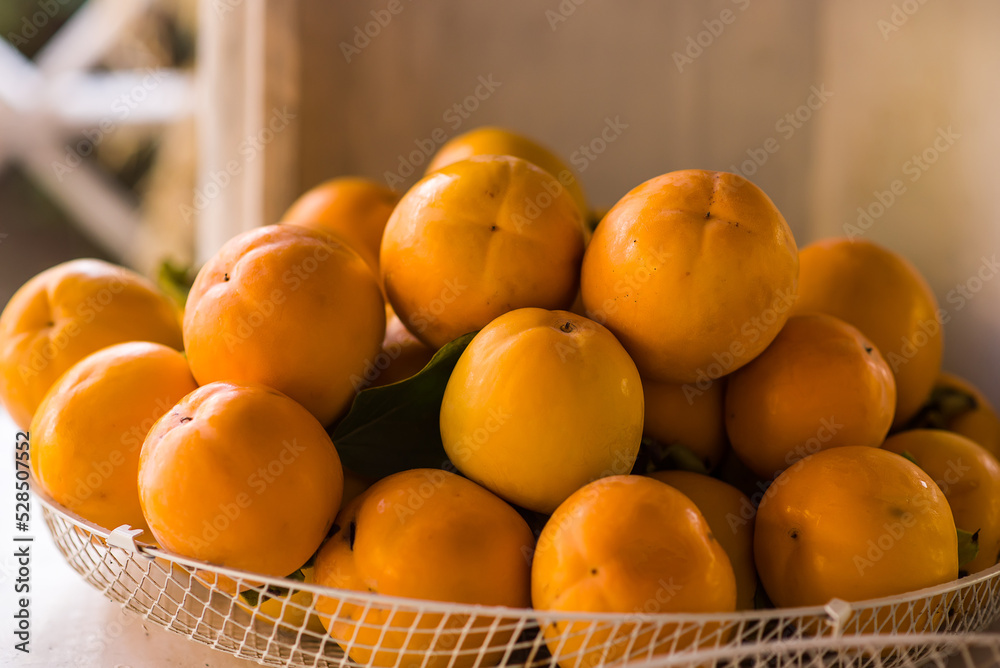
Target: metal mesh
(285,627)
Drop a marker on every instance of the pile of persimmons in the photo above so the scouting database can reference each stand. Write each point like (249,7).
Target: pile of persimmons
(483,392)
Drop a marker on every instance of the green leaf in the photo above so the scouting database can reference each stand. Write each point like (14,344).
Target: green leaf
(175,280)
(396,427)
(968,548)
(655,456)
(944,406)
(254,596)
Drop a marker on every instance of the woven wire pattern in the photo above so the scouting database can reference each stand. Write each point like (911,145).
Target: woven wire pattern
(284,627)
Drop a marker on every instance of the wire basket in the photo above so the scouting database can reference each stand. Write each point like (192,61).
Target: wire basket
(278,621)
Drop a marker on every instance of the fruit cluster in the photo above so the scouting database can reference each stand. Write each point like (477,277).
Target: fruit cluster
(663,408)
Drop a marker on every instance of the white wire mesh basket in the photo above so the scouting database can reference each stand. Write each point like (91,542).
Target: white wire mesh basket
(282,627)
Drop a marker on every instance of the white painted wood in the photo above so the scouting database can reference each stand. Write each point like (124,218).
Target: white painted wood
(89,33)
(103,210)
(248,124)
(46,102)
(139,98)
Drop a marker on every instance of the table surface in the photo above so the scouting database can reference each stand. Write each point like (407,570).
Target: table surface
(74,626)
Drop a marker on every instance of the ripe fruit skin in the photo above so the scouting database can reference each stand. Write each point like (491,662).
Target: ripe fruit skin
(884,296)
(819,385)
(694,271)
(403,354)
(853,523)
(626,544)
(687,415)
(499,141)
(968,475)
(87,434)
(240,476)
(729,514)
(431,535)
(288,307)
(958,406)
(539,404)
(68,312)
(354,208)
(476,239)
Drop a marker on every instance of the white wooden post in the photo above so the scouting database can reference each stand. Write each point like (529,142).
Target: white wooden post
(248,128)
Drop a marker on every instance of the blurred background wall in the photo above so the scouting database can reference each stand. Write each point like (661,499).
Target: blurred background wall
(862,117)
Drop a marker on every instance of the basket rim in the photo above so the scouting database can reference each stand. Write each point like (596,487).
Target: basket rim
(831,611)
